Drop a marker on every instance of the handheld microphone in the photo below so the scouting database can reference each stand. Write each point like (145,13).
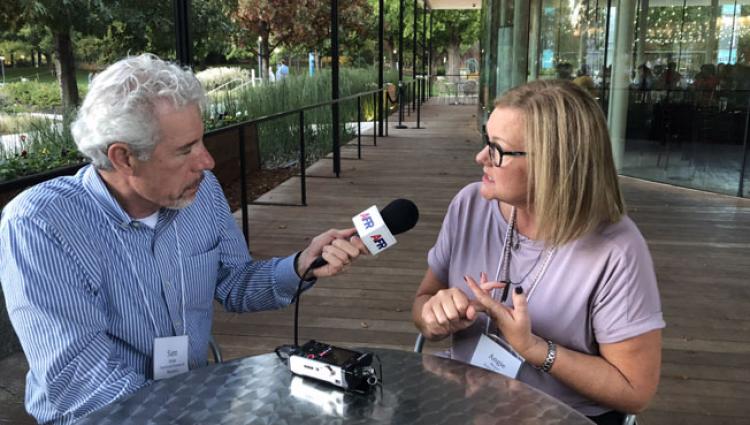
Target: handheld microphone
(348,369)
(376,229)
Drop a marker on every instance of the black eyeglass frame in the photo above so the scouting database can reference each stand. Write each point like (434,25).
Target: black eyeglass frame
(497,152)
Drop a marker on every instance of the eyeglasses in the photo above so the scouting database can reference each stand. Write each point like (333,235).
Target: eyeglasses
(497,153)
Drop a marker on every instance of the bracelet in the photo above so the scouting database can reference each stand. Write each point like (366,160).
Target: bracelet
(550,359)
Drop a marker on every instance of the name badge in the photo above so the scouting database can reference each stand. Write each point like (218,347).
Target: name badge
(497,356)
(170,356)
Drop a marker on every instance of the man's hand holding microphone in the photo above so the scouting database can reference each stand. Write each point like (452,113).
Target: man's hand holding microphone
(332,251)
(337,247)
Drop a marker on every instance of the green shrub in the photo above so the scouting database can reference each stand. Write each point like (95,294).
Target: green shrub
(45,146)
(30,95)
(20,123)
(215,77)
(279,138)
(49,144)
(33,96)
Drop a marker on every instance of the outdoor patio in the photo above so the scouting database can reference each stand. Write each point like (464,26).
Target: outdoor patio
(699,242)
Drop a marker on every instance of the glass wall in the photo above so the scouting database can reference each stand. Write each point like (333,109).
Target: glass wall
(678,96)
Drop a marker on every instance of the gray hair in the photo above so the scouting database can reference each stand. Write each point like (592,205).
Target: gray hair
(121,104)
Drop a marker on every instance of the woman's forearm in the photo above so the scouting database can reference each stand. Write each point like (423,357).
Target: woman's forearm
(596,378)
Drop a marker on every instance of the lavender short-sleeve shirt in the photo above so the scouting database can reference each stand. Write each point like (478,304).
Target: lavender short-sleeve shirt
(598,289)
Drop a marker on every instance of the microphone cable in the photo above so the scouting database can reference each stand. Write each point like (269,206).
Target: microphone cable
(284,351)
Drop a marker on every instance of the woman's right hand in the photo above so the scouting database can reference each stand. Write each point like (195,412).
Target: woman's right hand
(446,312)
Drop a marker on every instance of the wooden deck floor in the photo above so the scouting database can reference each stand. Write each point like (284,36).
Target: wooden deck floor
(700,244)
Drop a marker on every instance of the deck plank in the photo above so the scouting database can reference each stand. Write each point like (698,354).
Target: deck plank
(699,242)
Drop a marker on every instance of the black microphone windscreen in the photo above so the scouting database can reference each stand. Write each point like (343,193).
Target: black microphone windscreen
(400,215)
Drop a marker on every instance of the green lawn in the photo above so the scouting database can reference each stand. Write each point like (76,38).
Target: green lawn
(42,74)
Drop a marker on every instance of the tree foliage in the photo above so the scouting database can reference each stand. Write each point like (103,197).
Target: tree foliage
(295,24)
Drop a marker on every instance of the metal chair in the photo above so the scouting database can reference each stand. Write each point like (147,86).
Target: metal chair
(419,344)
(215,350)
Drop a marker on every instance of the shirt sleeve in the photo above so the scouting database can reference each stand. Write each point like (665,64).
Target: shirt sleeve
(439,256)
(60,317)
(245,284)
(627,304)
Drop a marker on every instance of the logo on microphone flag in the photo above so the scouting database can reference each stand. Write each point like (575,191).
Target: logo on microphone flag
(379,241)
(367,220)
(373,231)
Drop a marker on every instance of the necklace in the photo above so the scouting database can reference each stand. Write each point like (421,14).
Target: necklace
(504,264)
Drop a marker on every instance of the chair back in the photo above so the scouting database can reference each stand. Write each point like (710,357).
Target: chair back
(419,343)
(215,350)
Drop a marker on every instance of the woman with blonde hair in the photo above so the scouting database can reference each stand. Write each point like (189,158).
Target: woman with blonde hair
(547,223)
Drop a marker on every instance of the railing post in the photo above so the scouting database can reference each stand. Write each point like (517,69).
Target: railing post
(401,104)
(243,186)
(302,160)
(359,128)
(416,92)
(387,111)
(740,189)
(419,104)
(336,135)
(375,119)
(408,97)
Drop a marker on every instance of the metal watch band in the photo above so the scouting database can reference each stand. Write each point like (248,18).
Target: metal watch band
(551,356)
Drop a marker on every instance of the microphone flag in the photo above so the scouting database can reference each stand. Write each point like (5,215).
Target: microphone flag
(372,230)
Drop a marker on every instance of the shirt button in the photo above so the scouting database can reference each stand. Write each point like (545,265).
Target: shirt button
(178,323)
(136,224)
(168,283)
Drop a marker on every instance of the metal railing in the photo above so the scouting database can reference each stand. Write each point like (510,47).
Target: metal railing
(252,124)
(250,128)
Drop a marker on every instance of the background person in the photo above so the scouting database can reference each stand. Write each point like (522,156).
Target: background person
(283,71)
(105,270)
(548,222)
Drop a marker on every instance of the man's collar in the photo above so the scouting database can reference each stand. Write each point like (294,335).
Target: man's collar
(107,203)
(97,189)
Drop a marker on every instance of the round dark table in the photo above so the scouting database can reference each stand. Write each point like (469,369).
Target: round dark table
(417,389)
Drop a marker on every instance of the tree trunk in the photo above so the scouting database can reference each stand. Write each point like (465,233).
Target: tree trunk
(454,60)
(38,58)
(265,50)
(66,70)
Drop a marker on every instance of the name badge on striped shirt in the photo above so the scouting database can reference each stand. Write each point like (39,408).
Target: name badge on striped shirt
(170,356)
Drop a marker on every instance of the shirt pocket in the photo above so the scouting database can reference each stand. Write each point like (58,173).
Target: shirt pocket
(201,271)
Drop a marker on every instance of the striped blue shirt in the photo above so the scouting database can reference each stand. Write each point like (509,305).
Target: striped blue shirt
(75,269)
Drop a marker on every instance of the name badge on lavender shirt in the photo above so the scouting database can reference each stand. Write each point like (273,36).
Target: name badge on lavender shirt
(497,356)
(170,356)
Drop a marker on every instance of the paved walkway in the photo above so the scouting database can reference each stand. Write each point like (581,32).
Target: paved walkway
(699,243)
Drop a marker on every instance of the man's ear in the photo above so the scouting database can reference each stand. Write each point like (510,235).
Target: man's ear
(121,158)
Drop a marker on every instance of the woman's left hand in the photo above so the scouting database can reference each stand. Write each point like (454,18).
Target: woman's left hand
(514,323)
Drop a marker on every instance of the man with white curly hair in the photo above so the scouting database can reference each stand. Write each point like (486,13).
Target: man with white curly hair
(109,275)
